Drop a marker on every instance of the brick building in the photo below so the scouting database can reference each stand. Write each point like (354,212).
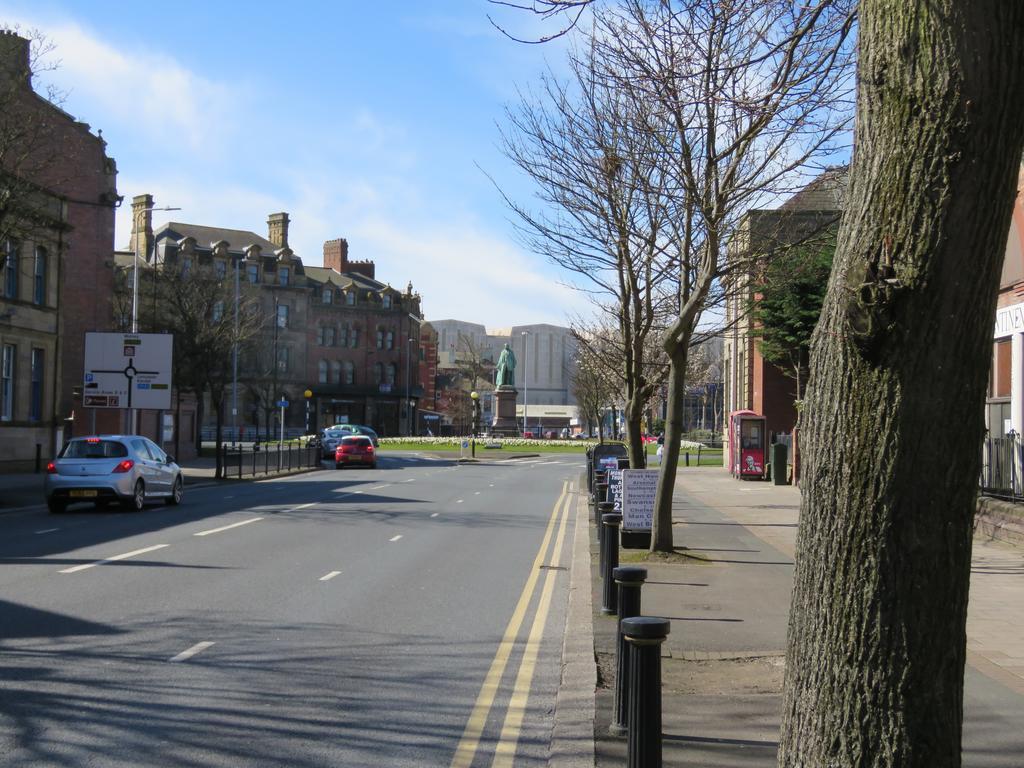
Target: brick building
(57,243)
(806,219)
(334,331)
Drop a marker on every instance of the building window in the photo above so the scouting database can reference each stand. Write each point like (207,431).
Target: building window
(350,298)
(282,360)
(389,340)
(335,372)
(380,339)
(220,269)
(328,295)
(353,338)
(186,265)
(36,406)
(39,277)
(282,315)
(329,336)
(283,273)
(385,301)
(321,371)
(343,336)
(7,382)
(378,373)
(218,311)
(392,373)
(10,273)
(253,272)
(350,372)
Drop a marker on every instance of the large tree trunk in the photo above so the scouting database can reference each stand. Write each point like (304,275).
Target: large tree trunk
(634,430)
(893,421)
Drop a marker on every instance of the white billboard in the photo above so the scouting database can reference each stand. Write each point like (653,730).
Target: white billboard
(639,488)
(128,370)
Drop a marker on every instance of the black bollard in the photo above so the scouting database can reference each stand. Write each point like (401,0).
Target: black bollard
(645,634)
(630,578)
(604,508)
(610,600)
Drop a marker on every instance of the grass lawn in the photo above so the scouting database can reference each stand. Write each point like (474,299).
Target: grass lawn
(708,456)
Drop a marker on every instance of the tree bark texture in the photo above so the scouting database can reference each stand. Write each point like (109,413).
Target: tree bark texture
(893,422)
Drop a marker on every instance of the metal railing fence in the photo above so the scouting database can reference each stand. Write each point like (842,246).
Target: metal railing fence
(1001,466)
(241,462)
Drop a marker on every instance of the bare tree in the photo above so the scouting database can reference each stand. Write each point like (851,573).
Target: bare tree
(197,306)
(752,93)
(591,154)
(877,642)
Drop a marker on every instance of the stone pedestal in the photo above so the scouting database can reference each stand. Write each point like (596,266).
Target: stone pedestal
(505,422)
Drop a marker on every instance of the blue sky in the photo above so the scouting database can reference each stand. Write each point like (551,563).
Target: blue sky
(362,120)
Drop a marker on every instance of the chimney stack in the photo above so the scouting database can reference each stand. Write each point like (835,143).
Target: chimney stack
(336,254)
(277,229)
(142,214)
(15,63)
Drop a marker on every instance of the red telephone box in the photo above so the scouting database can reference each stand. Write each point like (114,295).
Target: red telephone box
(747,436)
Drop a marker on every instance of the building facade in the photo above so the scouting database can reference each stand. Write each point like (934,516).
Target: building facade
(336,345)
(57,241)
(749,381)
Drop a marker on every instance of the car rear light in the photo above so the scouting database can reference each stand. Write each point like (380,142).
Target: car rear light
(369,449)
(51,468)
(92,439)
(124,466)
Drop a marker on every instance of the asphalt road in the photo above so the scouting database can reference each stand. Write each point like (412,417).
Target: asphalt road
(411,615)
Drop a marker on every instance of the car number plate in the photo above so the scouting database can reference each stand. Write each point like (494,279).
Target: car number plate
(82,494)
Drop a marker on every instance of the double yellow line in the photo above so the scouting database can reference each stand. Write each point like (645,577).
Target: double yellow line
(505,749)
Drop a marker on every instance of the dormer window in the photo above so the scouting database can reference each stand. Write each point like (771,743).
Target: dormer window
(350,298)
(253,273)
(283,273)
(328,295)
(385,301)
(220,269)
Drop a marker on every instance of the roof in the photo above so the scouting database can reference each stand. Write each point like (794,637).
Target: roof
(239,239)
(342,279)
(827,192)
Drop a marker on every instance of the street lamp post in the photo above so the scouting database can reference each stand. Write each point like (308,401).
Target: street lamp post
(133,427)
(408,374)
(308,394)
(526,372)
(475,397)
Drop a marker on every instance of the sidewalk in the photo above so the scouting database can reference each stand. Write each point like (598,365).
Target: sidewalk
(723,662)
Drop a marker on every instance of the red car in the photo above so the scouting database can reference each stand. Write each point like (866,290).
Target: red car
(356,449)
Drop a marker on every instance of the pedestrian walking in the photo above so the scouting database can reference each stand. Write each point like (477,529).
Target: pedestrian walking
(661,447)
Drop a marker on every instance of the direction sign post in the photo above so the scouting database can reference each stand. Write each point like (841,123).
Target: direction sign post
(282,404)
(128,370)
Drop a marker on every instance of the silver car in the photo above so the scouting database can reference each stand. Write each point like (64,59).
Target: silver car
(124,468)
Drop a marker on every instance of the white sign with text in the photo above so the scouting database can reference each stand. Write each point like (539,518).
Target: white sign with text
(639,487)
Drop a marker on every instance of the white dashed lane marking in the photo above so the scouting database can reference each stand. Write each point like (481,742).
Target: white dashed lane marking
(395,538)
(188,653)
(114,559)
(330,576)
(228,527)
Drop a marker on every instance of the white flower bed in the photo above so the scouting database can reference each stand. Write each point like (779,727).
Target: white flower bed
(455,442)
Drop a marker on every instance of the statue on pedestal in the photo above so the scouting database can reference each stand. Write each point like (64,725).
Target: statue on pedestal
(505,374)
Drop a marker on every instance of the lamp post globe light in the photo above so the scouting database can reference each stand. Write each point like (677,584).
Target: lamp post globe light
(475,425)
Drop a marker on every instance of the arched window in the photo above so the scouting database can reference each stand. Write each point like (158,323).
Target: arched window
(392,373)
(378,373)
(335,372)
(321,370)
(350,373)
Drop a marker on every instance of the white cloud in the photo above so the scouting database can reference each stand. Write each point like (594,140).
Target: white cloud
(164,102)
